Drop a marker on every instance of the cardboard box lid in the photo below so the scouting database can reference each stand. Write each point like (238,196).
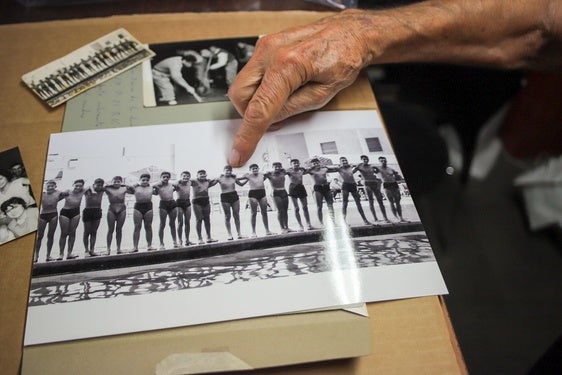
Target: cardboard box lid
(236,345)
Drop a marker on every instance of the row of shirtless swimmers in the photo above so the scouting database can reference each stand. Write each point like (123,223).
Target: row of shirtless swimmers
(69,76)
(179,207)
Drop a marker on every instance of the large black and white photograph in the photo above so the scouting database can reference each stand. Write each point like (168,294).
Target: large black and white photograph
(18,209)
(149,228)
(194,72)
(86,67)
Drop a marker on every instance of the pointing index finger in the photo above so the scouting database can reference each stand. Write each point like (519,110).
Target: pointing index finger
(257,118)
(263,107)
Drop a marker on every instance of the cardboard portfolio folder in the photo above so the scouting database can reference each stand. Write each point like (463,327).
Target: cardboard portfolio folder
(236,345)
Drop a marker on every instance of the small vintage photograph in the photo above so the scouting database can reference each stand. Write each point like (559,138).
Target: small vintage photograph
(18,209)
(86,67)
(151,227)
(194,72)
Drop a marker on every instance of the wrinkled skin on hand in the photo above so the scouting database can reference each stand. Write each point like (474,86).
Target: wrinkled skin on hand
(301,69)
(294,71)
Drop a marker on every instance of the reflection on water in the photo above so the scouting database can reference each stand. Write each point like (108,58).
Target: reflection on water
(285,261)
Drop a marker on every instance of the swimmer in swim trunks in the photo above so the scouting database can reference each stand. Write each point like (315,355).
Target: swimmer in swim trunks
(372,186)
(280,196)
(349,186)
(91,215)
(297,192)
(257,197)
(142,213)
(321,188)
(201,204)
(167,207)
(49,216)
(116,213)
(183,202)
(69,218)
(230,201)
(391,188)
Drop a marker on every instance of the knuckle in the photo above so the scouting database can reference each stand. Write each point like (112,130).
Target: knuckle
(292,67)
(233,92)
(267,41)
(290,56)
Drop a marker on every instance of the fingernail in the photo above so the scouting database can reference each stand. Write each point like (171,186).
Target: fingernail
(234,159)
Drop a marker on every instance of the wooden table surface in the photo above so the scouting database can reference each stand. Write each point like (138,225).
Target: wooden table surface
(409,336)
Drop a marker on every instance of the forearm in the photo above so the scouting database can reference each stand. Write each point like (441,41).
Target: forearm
(302,68)
(506,33)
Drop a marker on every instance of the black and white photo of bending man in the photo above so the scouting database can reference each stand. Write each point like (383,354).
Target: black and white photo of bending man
(194,71)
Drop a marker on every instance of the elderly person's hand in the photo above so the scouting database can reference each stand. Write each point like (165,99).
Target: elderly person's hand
(295,71)
(301,69)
